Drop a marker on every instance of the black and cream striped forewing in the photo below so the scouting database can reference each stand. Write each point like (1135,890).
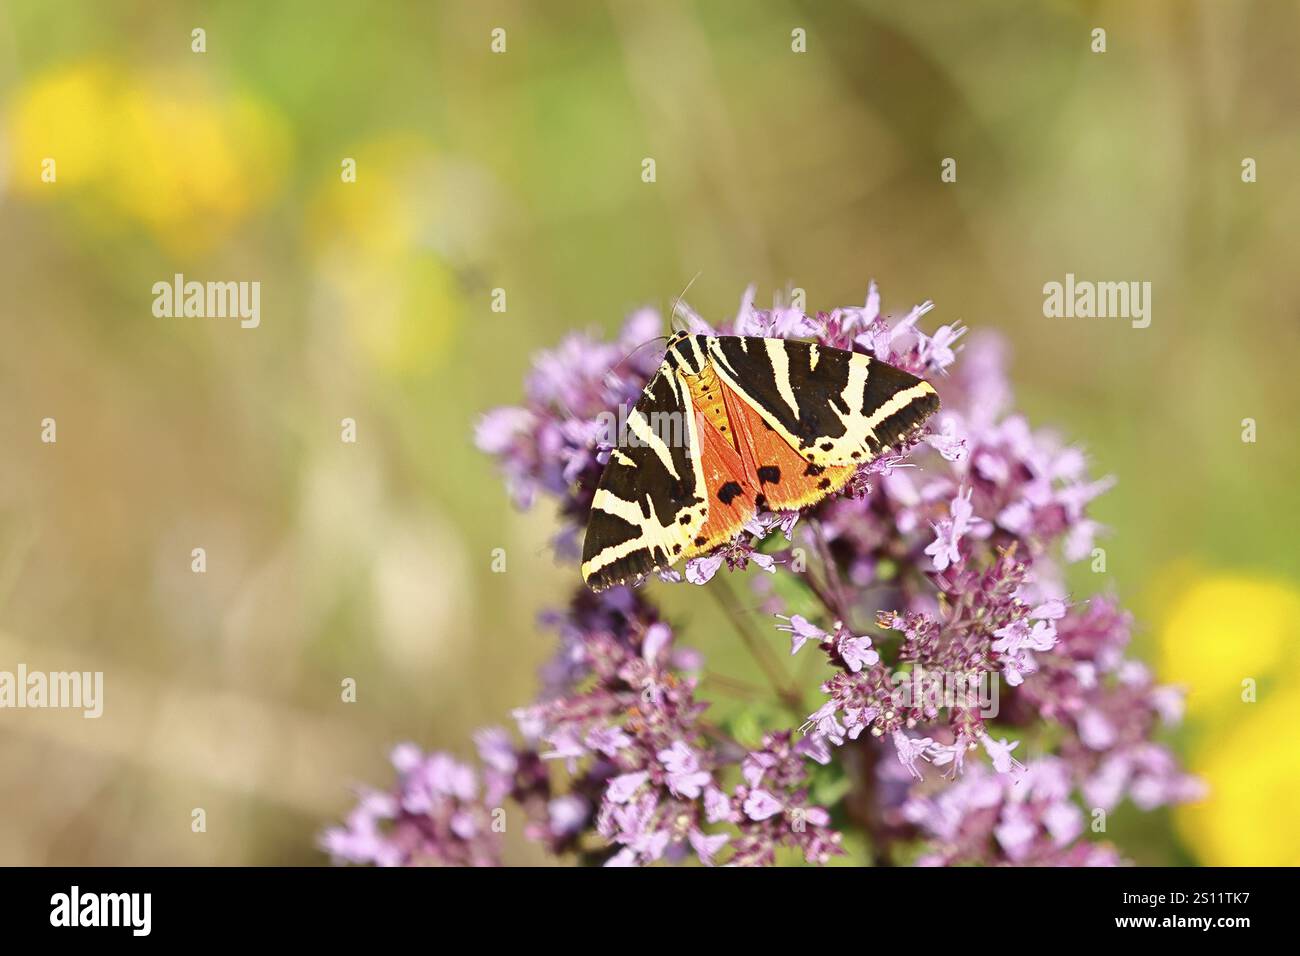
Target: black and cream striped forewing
(832,406)
(650,501)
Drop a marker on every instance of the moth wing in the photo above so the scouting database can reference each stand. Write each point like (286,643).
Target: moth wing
(650,502)
(786,481)
(731,491)
(831,406)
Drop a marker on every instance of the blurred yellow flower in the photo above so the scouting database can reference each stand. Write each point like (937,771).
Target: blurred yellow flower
(1223,630)
(1252,768)
(379,256)
(62,116)
(161,149)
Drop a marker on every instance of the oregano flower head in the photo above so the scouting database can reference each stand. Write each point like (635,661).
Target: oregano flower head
(969,709)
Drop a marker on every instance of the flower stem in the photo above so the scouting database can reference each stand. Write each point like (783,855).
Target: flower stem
(781,683)
(863,803)
(733,686)
(838,604)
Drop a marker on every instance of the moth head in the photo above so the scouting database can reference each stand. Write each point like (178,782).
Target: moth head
(687,352)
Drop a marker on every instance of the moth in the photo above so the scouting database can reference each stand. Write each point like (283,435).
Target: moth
(733,425)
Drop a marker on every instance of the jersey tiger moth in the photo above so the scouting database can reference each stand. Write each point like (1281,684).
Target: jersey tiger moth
(757,424)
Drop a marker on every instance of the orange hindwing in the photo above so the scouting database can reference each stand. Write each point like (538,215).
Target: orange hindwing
(732,493)
(786,482)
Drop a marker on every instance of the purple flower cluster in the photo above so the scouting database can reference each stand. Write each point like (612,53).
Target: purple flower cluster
(550,443)
(990,818)
(770,808)
(1106,709)
(628,727)
(436,816)
(969,705)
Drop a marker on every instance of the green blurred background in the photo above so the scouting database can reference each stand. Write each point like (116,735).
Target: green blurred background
(522,171)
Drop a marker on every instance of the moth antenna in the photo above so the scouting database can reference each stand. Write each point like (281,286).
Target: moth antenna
(621,362)
(672,313)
